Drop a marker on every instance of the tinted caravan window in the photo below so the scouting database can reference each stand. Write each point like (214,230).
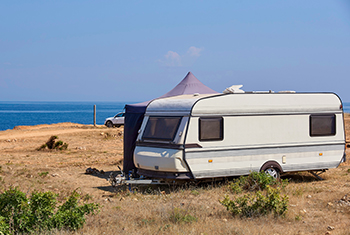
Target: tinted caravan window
(322,124)
(161,128)
(211,129)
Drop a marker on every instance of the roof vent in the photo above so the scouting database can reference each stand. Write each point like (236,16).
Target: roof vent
(233,89)
(196,94)
(290,92)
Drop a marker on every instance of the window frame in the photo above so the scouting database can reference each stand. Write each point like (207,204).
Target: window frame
(333,128)
(211,139)
(162,139)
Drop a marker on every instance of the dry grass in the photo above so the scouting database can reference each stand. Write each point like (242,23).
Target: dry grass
(184,209)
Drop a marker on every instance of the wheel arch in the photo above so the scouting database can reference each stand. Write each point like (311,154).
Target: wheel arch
(272,164)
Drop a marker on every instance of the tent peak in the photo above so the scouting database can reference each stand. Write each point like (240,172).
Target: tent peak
(189,85)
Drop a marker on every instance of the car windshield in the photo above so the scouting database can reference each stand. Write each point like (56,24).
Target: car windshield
(161,128)
(119,115)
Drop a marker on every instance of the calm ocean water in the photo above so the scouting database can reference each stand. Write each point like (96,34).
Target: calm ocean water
(33,113)
(346,107)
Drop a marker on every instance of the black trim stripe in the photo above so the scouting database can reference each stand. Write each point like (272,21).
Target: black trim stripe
(160,145)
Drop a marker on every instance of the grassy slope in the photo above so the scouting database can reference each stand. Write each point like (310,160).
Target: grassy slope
(313,204)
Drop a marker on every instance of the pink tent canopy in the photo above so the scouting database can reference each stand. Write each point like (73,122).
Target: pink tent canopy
(189,85)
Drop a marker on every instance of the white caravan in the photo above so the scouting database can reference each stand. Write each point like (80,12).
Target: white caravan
(221,135)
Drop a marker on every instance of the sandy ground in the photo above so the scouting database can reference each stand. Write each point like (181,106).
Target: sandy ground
(88,146)
(313,204)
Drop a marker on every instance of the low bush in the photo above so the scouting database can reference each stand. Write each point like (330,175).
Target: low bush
(256,181)
(72,216)
(53,144)
(263,196)
(39,212)
(258,204)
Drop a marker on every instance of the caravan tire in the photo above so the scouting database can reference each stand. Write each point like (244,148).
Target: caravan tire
(273,172)
(272,168)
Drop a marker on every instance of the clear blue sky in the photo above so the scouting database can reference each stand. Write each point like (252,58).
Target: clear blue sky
(139,50)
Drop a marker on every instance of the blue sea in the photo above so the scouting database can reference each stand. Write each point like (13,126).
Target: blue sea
(346,107)
(33,113)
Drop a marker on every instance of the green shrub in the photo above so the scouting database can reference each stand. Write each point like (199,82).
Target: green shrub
(14,210)
(19,214)
(255,181)
(42,206)
(70,215)
(52,144)
(236,186)
(64,146)
(258,204)
(4,227)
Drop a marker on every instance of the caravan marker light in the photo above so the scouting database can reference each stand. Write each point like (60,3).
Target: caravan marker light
(210,160)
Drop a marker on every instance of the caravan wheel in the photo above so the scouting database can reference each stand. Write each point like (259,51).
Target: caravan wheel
(273,172)
(272,168)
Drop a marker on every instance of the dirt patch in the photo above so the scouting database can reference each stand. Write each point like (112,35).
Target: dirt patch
(88,146)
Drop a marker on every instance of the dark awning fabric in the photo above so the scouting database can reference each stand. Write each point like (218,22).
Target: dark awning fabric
(137,108)
(134,114)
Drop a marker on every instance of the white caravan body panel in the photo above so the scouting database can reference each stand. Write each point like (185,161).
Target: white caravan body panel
(296,131)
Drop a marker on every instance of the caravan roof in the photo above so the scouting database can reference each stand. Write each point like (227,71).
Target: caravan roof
(245,104)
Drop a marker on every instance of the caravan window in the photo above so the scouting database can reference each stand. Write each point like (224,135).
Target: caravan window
(211,129)
(322,124)
(161,128)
